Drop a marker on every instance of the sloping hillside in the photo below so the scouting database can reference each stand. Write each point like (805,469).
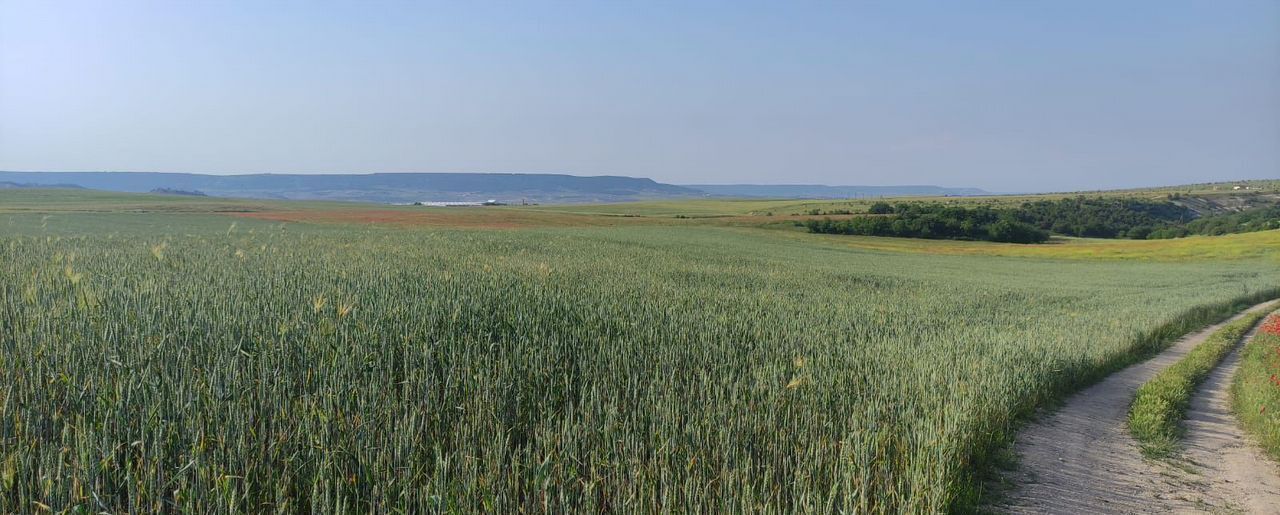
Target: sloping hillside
(1216,204)
(377,187)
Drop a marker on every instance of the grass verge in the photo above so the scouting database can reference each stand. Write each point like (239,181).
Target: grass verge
(1255,391)
(1155,418)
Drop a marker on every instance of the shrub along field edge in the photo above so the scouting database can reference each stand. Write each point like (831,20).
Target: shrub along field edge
(1255,390)
(1155,417)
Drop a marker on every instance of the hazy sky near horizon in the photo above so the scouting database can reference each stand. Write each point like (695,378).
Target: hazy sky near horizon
(1002,95)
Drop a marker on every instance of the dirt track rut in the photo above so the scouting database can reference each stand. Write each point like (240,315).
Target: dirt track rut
(1082,459)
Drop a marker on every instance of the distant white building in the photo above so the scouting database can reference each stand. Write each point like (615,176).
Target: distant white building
(433,203)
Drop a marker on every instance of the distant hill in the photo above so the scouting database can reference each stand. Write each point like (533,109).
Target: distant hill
(818,191)
(446,187)
(9,185)
(378,187)
(182,193)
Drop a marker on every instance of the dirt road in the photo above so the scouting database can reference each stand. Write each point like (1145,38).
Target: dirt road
(1081,458)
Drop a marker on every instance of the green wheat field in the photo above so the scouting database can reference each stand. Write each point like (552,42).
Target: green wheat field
(196,362)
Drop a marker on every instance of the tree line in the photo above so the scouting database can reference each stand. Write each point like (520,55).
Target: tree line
(1033,222)
(935,221)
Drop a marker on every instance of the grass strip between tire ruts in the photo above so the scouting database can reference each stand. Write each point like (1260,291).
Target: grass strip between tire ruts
(1155,417)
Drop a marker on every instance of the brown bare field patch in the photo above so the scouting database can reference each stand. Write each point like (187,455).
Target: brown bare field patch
(471,218)
(497,218)
(761,219)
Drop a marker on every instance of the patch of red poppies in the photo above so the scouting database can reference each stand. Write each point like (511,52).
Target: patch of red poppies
(1271,325)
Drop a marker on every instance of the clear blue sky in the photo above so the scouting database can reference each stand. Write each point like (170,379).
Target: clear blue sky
(1008,96)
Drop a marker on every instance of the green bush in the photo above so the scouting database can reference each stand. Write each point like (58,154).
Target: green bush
(880,208)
